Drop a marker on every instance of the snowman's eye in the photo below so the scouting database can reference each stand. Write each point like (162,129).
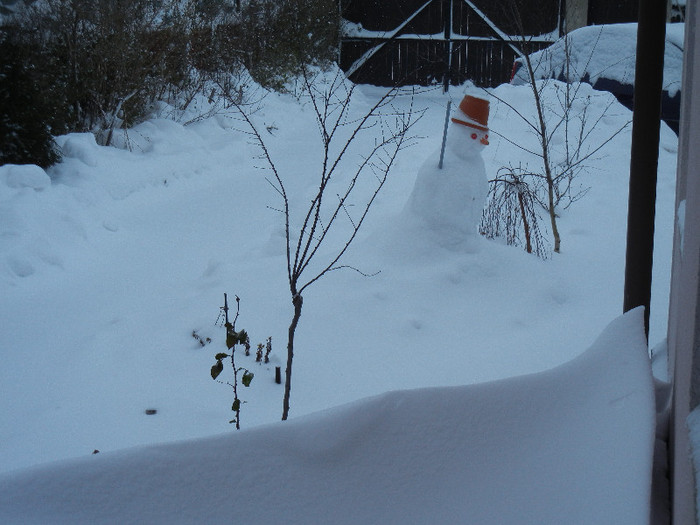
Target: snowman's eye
(473,136)
(486,136)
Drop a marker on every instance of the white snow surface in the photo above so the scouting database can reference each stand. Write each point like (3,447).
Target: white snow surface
(110,260)
(568,445)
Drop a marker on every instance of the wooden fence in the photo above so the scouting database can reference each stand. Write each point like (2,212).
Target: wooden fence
(400,42)
(409,61)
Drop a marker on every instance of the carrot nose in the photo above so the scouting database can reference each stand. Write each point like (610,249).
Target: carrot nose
(484,141)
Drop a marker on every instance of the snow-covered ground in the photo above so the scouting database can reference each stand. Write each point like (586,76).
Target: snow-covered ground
(111,261)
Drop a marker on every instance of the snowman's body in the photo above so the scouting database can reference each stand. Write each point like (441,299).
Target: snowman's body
(451,200)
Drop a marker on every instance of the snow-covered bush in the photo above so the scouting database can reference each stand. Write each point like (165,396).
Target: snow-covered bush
(105,63)
(283,37)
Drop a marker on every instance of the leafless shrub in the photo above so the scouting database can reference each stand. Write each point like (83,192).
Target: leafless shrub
(511,211)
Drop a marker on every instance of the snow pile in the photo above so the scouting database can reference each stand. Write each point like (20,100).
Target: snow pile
(14,177)
(27,240)
(607,51)
(569,445)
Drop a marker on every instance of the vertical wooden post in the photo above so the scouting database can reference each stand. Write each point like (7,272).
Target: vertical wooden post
(646,120)
(447,20)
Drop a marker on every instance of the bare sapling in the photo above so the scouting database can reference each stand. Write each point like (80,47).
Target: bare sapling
(345,192)
(568,121)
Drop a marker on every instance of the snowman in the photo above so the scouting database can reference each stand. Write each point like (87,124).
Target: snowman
(450,200)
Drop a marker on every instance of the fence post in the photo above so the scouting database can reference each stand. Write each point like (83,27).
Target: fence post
(447,19)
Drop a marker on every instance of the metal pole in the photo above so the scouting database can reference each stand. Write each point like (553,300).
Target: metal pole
(444,133)
(651,36)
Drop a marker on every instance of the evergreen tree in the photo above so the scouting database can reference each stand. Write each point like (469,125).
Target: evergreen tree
(25,111)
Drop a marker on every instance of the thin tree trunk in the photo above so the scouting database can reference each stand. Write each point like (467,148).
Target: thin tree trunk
(297,301)
(553,215)
(548,172)
(544,141)
(526,226)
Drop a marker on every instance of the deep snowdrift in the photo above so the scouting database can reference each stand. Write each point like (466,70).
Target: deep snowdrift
(569,445)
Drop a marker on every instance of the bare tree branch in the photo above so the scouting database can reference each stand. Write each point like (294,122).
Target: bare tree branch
(331,106)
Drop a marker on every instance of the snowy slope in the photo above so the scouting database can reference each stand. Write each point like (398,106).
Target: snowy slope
(569,445)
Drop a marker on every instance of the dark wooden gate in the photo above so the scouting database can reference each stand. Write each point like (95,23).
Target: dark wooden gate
(424,42)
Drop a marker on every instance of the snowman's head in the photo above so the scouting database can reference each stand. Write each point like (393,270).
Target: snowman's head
(465,142)
(472,136)
(471,123)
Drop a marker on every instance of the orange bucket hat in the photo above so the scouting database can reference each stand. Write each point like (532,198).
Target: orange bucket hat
(474,113)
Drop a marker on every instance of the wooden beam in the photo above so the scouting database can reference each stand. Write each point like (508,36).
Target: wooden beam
(646,122)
